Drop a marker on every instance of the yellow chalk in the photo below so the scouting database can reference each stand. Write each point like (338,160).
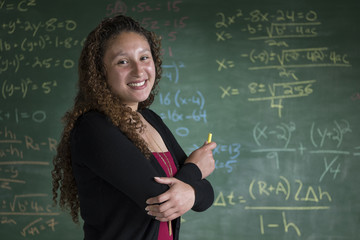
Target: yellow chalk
(170,228)
(209,138)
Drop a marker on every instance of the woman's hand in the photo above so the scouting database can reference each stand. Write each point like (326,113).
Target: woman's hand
(203,158)
(173,203)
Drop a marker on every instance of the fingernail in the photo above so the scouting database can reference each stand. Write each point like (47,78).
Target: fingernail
(147,209)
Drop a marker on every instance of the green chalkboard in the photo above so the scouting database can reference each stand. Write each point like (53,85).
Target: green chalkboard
(276,82)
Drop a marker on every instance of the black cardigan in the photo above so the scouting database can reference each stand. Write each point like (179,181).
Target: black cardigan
(114,179)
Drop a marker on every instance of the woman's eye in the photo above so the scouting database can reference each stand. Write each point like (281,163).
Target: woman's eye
(122,62)
(144,58)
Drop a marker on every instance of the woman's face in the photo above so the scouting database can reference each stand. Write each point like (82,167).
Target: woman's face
(130,68)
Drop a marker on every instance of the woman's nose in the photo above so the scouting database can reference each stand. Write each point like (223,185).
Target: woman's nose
(137,69)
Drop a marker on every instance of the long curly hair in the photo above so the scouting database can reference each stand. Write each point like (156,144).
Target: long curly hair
(94,94)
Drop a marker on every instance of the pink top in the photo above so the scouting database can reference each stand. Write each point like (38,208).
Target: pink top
(164,226)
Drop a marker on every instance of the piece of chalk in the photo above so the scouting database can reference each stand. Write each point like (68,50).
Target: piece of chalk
(170,228)
(209,138)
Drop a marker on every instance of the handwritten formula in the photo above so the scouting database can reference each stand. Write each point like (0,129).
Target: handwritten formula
(274,32)
(289,172)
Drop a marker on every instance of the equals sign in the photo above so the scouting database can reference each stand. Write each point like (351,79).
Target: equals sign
(242,200)
(24,115)
(234,91)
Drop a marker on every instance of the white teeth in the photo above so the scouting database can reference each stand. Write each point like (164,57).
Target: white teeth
(137,84)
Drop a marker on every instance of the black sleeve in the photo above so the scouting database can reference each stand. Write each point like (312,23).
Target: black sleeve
(100,146)
(204,193)
(189,172)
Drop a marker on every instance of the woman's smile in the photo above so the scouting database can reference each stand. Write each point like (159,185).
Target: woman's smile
(137,85)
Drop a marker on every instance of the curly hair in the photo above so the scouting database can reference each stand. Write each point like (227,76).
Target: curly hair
(94,94)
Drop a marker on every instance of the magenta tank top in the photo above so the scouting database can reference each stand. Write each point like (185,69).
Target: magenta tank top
(164,226)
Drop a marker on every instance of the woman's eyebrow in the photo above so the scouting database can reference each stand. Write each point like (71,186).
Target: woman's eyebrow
(123,53)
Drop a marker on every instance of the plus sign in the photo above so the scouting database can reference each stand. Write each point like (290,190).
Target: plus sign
(301,149)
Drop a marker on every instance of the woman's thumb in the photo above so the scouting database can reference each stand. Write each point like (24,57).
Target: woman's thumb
(164,180)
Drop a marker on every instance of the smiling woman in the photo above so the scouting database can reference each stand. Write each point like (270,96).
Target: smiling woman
(117,162)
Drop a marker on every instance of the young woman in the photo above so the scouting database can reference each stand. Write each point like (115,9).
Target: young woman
(117,162)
